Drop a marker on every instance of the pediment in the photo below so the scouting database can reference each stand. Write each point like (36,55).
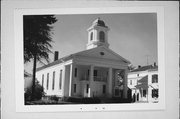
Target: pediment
(102,52)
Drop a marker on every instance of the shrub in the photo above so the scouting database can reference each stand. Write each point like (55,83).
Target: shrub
(74,99)
(54,97)
(83,100)
(38,92)
(91,100)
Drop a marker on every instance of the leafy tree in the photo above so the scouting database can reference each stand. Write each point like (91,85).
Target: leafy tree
(37,39)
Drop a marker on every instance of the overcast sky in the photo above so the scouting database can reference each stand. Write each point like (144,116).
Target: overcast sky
(131,35)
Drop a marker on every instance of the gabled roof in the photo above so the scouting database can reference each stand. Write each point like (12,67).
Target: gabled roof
(143,82)
(100,51)
(63,59)
(145,68)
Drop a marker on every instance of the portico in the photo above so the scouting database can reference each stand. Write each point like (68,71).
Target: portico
(95,80)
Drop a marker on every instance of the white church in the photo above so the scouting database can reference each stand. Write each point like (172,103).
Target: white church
(95,72)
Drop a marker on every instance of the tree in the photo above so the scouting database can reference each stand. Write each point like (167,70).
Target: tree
(37,39)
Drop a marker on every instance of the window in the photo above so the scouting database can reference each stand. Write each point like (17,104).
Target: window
(155,93)
(144,93)
(88,72)
(130,82)
(121,93)
(101,36)
(116,92)
(155,78)
(47,85)
(60,79)
(53,81)
(75,74)
(95,72)
(87,88)
(91,36)
(104,89)
(74,88)
(43,80)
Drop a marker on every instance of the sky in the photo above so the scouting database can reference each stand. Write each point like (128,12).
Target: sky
(131,35)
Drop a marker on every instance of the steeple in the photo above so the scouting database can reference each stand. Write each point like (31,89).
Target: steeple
(97,34)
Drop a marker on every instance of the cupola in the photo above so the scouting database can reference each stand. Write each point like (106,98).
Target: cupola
(97,34)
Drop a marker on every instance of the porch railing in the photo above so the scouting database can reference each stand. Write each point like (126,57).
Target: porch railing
(84,78)
(95,78)
(100,78)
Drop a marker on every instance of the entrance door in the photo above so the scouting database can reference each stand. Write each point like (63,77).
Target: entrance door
(118,92)
(138,97)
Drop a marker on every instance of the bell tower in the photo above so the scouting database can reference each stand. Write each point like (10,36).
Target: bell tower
(97,34)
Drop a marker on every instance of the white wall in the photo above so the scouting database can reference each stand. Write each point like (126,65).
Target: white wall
(171,64)
(50,70)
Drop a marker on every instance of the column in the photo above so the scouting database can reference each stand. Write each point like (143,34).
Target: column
(71,79)
(63,80)
(110,83)
(149,93)
(125,84)
(91,81)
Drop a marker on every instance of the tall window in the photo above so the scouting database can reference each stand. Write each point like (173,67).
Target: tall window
(87,88)
(116,92)
(102,36)
(104,89)
(91,36)
(155,93)
(75,74)
(155,78)
(43,80)
(47,84)
(88,72)
(53,81)
(74,88)
(95,72)
(130,82)
(144,93)
(60,79)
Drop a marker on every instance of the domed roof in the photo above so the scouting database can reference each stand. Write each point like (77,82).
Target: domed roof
(99,22)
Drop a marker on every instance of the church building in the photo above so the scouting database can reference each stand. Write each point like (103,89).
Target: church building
(95,72)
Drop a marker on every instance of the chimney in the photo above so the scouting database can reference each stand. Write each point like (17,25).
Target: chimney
(56,53)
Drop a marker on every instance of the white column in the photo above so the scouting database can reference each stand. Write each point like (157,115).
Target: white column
(91,81)
(63,80)
(125,84)
(110,83)
(149,88)
(71,79)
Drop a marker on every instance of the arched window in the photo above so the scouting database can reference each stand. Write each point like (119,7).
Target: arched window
(91,37)
(102,36)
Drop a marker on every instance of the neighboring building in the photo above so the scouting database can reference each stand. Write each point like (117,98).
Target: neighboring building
(143,83)
(27,80)
(95,72)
